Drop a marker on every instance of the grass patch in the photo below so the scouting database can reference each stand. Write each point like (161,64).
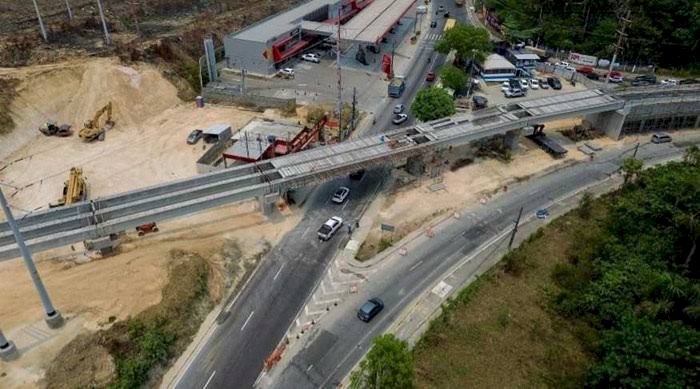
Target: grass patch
(135,352)
(7,95)
(500,330)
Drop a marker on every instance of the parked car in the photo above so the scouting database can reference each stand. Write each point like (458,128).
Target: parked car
(593,76)
(514,93)
(585,70)
(523,84)
(669,82)
(400,118)
(311,57)
(689,81)
(340,195)
(542,213)
(554,83)
(646,79)
(194,137)
(441,8)
(479,102)
(534,84)
(433,24)
(286,73)
(399,108)
(329,228)
(543,83)
(447,14)
(565,65)
(370,309)
(660,138)
(430,76)
(615,77)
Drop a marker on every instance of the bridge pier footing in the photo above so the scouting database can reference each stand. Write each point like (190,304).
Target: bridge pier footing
(267,203)
(608,122)
(512,139)
(415,165)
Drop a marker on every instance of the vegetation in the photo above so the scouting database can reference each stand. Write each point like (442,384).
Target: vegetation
(606,296)
(659,32)
(134,351)
(467,41)
(389,364)
(7,94)
(453,77)
(433,103)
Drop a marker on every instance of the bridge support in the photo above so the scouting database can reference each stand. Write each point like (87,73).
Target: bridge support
(512,138)
(609,122)
(415,165)
(267,203)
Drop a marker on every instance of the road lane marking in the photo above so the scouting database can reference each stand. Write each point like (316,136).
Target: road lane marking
(303,234)
(209,380)
(278,272)
(345,205)
(412,268)
(309,368)
(247,320)
(335,300)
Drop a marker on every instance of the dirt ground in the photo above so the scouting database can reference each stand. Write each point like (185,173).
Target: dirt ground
(147,146)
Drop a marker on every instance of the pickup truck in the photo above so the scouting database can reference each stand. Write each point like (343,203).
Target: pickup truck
(396,87)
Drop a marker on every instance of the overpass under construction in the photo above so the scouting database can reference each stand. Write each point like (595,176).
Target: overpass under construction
(266,180)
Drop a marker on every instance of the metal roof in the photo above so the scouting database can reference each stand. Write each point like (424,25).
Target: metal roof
(495,61)
(526,56)
(217,129)
(375,20)
(255,148)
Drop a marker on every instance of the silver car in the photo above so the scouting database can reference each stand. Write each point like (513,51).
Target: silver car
(340,195)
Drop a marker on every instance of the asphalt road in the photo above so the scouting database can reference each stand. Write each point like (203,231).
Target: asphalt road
(341,339)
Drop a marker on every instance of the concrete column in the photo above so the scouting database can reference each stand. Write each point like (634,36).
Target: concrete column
(512,138)
(8,351)
(697,122)
(609,122)
(415,165)
(267,202)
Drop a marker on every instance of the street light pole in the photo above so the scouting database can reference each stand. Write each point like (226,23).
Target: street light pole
(41,22)
(8,351)
(53,317)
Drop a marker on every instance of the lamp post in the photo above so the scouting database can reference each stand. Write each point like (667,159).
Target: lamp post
(53,317)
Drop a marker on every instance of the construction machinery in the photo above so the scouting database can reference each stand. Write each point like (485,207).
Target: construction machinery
(93,130)
(51,128)
(74,189)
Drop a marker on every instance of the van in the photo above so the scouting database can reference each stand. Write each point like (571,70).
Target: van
(660,138)
(421,9)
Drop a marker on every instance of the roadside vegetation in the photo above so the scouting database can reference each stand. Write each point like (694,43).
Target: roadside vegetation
(135,352)
(389,364)
(7,94)
(661,33)
(433,103)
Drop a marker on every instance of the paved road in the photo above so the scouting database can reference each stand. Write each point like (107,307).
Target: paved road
(259,318)
(340,340)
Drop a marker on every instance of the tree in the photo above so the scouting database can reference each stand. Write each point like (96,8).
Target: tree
(453,77)
(389,364)
(433,103)
(463,39)
(631,168)
(692,156)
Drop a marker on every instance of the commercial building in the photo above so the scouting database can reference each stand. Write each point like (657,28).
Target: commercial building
(497,68)
(522,59)
(263,46)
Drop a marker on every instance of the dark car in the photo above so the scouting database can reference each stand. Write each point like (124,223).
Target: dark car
(515,84)
(447,14)
(430,76)
(433,24)
(479,102)
(689,81)
(554,82)
(593,76)
(370,309)
(194,137)
(646,79)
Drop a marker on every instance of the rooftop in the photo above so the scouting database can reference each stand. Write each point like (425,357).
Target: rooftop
(217,129)
(373,22)
(525,56)
(495,61)
(278,129)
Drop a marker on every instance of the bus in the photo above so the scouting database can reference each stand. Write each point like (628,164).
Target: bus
(449,24)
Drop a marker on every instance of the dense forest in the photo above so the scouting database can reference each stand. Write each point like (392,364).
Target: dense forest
(665,33)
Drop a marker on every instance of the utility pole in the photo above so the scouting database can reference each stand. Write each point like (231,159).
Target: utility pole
(8,351)
(354,107)
(108,40)
(515,229)
(70,12)
(339,108)
(636,148)
(41,22)
(53,317)
(620,37)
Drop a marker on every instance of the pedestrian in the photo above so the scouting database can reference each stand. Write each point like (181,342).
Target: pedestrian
(349,228)
(357,224)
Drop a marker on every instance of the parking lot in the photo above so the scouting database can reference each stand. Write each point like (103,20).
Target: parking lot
(492,91)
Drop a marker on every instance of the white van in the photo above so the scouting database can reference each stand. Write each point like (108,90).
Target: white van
(422,9)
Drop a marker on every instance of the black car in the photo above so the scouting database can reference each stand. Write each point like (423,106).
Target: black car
(515,84)
(194,137)
(554,82)
(433,24)
(689,81)
(646,79)
(370,309)
(447,14)
(593,76)
(479,102)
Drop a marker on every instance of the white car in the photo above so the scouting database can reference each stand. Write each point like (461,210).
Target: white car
(341,195)
(400,118)
(669,82)
(311,57)
(505,85)
(329,228)
(565,65)
(399,108)
(534,84)
(543,83)
(523,84)
(287,72)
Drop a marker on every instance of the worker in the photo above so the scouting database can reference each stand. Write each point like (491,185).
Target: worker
(349,228)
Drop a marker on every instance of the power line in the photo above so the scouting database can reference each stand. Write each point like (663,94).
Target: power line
(621,36)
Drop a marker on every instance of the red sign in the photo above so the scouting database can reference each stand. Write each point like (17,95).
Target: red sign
(386,64)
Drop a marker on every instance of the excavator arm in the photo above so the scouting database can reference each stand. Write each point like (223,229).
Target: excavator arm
(92,129)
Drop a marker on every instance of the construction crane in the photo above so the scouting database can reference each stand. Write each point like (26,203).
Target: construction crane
(74,189)
(93,130)
(51,128)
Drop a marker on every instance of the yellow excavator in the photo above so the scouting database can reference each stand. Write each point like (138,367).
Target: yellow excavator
(93,130)
(74,189)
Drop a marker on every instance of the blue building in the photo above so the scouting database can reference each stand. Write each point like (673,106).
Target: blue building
(496,68)
(522,59)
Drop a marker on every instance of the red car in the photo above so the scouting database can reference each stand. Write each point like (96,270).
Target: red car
(585,69)
(430,76)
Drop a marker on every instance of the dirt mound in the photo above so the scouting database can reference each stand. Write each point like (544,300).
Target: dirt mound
(71,93)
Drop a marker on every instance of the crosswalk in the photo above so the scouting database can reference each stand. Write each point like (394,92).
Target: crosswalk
(434,36)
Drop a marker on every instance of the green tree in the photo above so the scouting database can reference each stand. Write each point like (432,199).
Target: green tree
(467,41)
(631,168)
(433,103)
(453,77)
(692,153)
(389,364)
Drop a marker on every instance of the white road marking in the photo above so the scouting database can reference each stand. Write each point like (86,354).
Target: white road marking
(412,268)
(247,320)
(303,234)
(278,272)
(309,368)
(298,323)
(209,380)
(327,301)
(345,205)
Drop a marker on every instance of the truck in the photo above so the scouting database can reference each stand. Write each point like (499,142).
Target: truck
(396,87)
